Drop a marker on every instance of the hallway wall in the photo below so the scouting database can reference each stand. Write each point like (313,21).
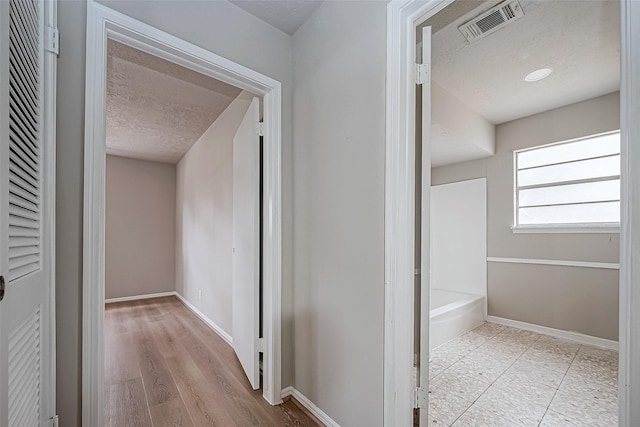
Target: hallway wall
(204,214)
(140,227)
(339,162)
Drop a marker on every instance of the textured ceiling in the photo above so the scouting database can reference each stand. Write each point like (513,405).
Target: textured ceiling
(578,39)
(156,110)
(285,15)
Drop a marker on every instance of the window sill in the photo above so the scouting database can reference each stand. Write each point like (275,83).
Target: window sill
(567,229)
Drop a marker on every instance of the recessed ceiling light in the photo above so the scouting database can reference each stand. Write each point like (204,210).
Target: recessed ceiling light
(539,74)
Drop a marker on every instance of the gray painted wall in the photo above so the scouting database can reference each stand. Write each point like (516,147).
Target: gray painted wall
(567,298)
(339,158)
(204,229)
(140,227)
(69,188)
(215,25)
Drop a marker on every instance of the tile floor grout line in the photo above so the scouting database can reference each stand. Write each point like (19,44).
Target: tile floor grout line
(513,363)
(491,383)
(559,384)
(552,350)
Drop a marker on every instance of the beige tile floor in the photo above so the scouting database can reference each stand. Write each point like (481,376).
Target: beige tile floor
(501,376)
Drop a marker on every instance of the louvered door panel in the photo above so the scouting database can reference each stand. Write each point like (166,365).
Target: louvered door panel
(24,373)
(27,202)
(24,138)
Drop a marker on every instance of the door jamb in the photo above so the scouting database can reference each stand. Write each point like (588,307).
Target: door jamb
(402,19)
(102,24)
(629,323)
(49,221)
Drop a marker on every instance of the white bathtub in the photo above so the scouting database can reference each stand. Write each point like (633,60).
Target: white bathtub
(453,314)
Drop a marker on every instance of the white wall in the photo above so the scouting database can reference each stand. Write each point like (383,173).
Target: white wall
(457,132)
(339,157)
(204,215)
(459,237)
(217,26)
(140,222)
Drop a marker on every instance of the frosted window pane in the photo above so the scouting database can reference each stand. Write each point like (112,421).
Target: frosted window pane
(570,214)
(583,149)
(573,193)
(586,169)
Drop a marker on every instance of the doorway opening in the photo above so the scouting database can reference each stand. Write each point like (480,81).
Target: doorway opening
(524,214)
(200,179)
(401,393)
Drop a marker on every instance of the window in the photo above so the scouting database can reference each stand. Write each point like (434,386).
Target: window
(574,184)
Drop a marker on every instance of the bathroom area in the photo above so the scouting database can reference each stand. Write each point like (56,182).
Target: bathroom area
(518,214)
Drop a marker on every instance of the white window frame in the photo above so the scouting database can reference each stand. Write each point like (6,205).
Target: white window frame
(591,228)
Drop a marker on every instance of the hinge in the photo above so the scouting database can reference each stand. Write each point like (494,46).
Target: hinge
(260,128)
(261,345)
(422,73)
(54,421)
(421,398)
(52,40)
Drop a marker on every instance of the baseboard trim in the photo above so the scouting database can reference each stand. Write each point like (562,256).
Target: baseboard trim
(137,297)
(217,329)
(307,404)
(558,333)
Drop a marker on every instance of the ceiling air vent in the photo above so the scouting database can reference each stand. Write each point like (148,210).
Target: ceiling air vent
(491,20)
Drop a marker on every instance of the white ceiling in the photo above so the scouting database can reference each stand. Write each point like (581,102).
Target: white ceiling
(286,15)
(579,39)
(157,110)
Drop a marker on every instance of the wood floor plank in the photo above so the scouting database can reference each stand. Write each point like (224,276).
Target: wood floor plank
(122,360)
(221,367)
(201,399)
(171,414)
(189,376)
(158,383)
(128,405)
(150,310)
(166,341)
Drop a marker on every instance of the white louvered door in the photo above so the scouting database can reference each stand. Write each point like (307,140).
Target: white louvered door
(27,326)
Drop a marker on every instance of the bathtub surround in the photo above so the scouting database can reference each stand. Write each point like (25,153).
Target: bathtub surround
(569,298)
(459,237)
(140,218)
(458,265)
(452,314)
(498,375)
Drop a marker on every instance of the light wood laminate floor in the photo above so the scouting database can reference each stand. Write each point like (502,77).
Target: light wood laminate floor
(165,367)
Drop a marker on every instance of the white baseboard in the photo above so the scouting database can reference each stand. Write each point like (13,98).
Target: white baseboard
(309,406)
(558,333)
(217,329)
(137,297)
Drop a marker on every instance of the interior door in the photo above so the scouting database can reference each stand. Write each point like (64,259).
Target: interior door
(246,243)
(27,124)
(425,264)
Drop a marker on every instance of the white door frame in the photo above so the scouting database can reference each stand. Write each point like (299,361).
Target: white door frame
(402,18)
(102,24)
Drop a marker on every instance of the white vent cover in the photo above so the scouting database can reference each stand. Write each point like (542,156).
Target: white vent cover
(491,20)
